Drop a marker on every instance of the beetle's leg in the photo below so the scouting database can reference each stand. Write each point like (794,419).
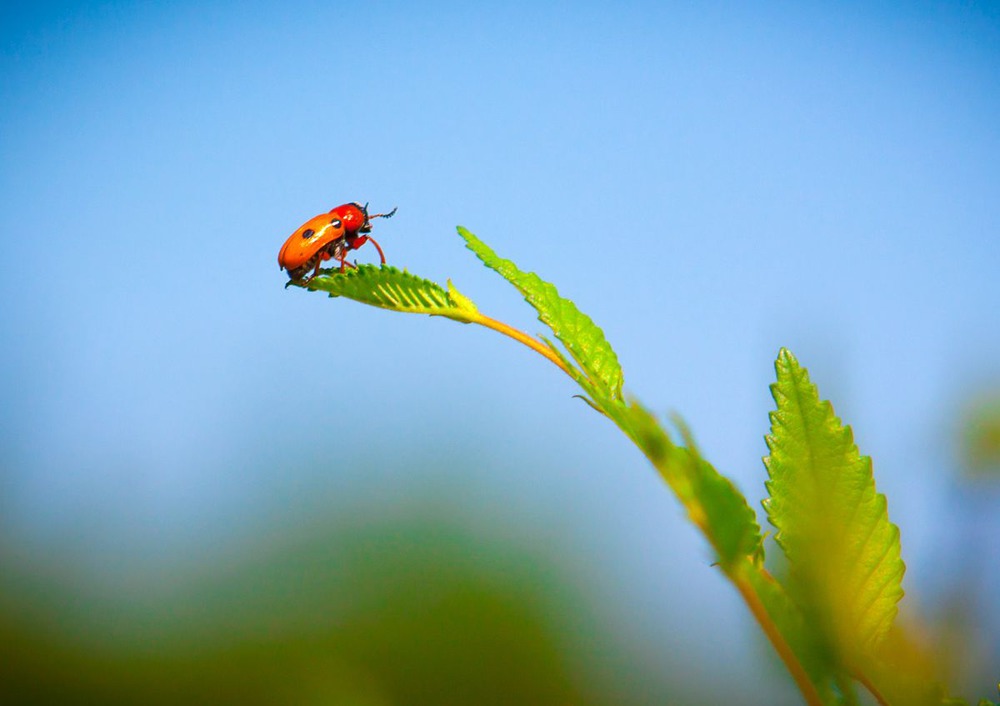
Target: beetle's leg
(344,263)
(377,247)
(361,240)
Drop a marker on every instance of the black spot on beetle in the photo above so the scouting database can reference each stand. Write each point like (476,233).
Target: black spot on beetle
(335,223)
(308,233)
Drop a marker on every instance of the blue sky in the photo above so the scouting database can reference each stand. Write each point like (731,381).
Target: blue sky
(708,182)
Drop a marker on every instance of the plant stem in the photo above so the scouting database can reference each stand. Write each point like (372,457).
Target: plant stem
(521,337)
(872,689)
(782,647)
(847,695)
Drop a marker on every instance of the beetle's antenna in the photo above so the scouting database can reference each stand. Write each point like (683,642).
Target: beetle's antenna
(383,215)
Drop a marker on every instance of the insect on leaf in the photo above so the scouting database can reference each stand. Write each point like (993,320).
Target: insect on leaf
(574,329)
(396,290)
(845,568)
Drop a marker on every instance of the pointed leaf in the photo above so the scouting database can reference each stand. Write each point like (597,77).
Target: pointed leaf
(581,336)
(844,554)
(396,290)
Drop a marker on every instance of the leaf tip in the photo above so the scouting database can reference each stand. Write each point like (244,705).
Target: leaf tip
(786,359)
(459,300)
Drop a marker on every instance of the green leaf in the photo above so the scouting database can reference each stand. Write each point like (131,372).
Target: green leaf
(712,502)
(396,290)
(581,336)
(723,515)
(843,553)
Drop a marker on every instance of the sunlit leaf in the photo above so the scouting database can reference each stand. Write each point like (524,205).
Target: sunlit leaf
(396,290)
(574,329)
(844,554)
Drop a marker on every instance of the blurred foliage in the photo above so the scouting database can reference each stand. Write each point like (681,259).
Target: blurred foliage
(410,612)
(981,436)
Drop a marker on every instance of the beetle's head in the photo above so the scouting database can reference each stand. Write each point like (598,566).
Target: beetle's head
(368,226)
(354,216)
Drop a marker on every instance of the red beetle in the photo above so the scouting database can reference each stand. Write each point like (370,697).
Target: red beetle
(328,236)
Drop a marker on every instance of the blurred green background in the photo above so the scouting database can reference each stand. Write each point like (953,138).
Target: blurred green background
(415,609)
(213,489)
